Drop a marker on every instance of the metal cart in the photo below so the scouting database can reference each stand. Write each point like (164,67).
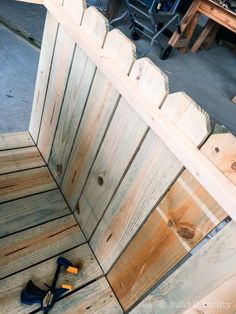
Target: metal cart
(159,13)
(101,5)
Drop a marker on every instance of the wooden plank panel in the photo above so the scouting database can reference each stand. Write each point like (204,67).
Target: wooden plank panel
(220,301)
(20,159)
(189,33)
(217,13)
(196,278)
(201,168)
(152,172)
(11,287)
(24,249)
(62,59)
(80,80)
(95,298)
(222,152)
(24,183)
(31,211)
(187,213)
(100,106)
(122,140)
(149,256)
(208,28)
(45,60)
(15,140)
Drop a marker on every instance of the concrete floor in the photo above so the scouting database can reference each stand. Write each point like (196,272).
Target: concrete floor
(18,68)
(209,77)
(19,62)
(26,18)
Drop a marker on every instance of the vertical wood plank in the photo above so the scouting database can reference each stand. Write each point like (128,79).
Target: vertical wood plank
(45,60)
(122,140)
(101,103)
(80,80)
(186,152)
(222,149)
(20,159)
(189,32)
(196,278)
(62,59)
(205,32)
(152,172)
(149,256)
(185,215)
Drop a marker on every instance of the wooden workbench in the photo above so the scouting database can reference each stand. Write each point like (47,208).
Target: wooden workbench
(217,16)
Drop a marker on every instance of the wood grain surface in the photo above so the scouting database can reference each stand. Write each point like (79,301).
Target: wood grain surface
(196,278)
(77,90)
(31,211)
(100,106)
(25,183)
(15,140)
(183,218)
(121,143)
(149,177)
(20,159)
(42,273)
(95,298)
(60,68)
(44,68)
(193,160)
(24,249)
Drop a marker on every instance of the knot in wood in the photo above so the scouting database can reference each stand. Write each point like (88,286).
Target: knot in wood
(100,180)
(59,169)
(170,223)
(233,166)
(186,233)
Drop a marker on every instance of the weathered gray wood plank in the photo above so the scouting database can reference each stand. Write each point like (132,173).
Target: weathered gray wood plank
(44,67)
(77,90)
(150,175)
(120,144)
(24,249)
(95,298)
(101,103)
(20,159)
(11,287)
(60,69)
(15,140)
(31,211)
(24,183)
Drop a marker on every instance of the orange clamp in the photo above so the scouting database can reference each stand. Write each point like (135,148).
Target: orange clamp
(72,270)
(67,287)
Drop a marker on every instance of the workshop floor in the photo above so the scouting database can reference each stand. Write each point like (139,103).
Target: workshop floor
(208,76)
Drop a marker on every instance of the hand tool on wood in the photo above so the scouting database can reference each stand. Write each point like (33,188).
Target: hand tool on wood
(32,294)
